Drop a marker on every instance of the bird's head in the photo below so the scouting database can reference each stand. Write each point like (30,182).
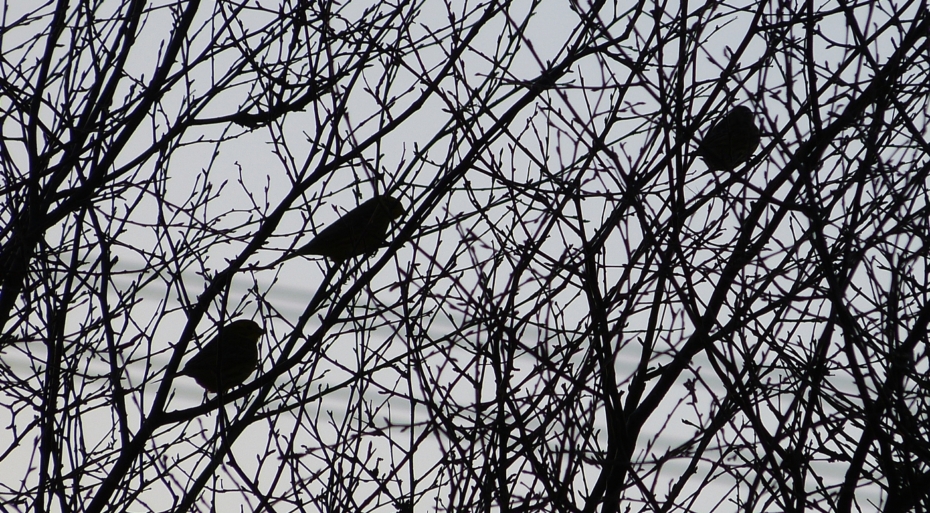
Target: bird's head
(245,328)
(392,206)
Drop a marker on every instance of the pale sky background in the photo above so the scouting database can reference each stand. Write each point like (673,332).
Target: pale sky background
(290,287)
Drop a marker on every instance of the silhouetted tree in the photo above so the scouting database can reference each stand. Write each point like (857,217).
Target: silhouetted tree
(573,313)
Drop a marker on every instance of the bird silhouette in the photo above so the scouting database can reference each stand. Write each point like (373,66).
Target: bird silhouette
(730,141)
(228,359)
(361,230)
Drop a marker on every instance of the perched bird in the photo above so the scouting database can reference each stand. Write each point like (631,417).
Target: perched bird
(362,230)
(731,141)
(228,359)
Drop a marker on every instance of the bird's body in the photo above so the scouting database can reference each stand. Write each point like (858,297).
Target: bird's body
(361,230)
(228,359)
(731,141)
